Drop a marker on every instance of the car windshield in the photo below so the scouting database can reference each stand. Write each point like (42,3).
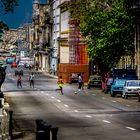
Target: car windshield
(119,82)
(109,81)
(133,83)
(74,75)
(95,78)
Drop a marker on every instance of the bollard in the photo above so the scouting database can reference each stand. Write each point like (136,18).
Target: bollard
(1,99)
(54,131)
(42,130)
(10,124)
(0,103)
(40,135)
(1,95)
(39,125)
(47,129)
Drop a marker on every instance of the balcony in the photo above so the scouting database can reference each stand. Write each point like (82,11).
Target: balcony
(133,7)
(63,3)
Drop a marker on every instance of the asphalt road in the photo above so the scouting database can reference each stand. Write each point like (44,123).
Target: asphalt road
(89,115)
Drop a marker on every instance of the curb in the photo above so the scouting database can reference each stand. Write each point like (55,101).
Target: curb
(50,75)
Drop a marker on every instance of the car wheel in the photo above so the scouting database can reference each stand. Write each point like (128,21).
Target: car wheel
(113,94)
(126,97)
(123,96)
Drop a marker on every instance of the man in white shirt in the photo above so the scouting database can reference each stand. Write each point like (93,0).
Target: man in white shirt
(31,79)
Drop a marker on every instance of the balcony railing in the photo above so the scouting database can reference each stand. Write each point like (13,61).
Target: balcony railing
(62,1)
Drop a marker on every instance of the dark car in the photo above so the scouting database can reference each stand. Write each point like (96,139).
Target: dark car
(18,72)
(74,78)
(107,88)
(95,81)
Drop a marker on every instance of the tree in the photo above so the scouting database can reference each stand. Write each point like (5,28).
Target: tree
(6,6)
(3,27)
(108,29)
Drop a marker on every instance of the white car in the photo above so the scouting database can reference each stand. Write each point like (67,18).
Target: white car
(21,64)
(131,88)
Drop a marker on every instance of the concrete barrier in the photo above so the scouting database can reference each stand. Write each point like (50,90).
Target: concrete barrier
(4,120)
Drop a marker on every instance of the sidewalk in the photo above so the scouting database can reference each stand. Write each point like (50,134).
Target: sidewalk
(50,75)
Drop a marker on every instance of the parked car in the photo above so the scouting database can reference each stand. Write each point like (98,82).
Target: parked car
(3,64)
(74,78)
(14,65)
(95,81)
(27,65)
(9,60)
(131,88)
(109,82)
(18,72)
(117,87)
(21,64)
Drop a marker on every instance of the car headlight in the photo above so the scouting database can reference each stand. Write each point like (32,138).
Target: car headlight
(126,89)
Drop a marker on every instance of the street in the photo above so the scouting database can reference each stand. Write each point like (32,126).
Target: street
(89,115)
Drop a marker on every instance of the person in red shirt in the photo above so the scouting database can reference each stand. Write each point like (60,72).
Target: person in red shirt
(19,84)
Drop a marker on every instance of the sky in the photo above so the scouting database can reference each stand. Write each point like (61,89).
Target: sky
(22,14)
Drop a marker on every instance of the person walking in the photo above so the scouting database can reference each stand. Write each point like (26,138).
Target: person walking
(31,79)
(82,76)
(19,84)
(60,84)
(80,84)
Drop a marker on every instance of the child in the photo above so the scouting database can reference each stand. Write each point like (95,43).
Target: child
(31,78)
(19,81)
(60,84)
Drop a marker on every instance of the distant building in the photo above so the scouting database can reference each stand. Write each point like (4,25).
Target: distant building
(41,35)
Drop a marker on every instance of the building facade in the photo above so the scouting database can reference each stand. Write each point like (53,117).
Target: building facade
(55,29)
(41,35)
(73,49)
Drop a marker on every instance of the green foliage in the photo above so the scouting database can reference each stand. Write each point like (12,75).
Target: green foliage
(8,5)
(3,27)
(107,27)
